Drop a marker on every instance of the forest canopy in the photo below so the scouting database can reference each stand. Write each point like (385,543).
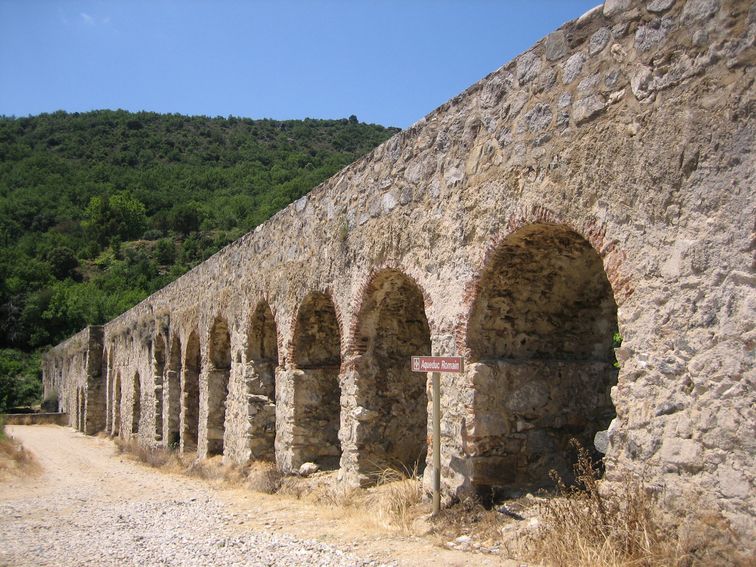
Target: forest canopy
(100,209)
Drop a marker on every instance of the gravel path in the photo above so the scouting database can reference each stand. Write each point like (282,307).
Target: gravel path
(91,508)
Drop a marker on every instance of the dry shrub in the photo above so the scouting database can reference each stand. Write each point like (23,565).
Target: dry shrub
(156,457)
(208,469)
(262,476)
(395,500)
(338,494)
(583,525)
(320,488)
(14,459)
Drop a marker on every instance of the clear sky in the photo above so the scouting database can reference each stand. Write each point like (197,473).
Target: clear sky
(386,61)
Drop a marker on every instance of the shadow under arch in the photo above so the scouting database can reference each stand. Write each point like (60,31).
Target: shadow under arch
(190,394)
(541,362)
(136,404)
(218,376)
(172,394)
(260,382)
(117,401)
(158,373)
(313,381)
(391,327)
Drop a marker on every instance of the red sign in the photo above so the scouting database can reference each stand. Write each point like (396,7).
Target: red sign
(437,364)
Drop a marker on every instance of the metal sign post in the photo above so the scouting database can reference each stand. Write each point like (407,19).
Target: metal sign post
(436,442)
(436,365)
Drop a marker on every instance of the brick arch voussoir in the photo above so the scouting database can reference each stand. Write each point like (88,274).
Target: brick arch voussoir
(594,232)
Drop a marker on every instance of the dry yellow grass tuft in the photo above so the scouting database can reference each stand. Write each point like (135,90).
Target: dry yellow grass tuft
(262,476)
(585,525)
(15,461)
(396,499)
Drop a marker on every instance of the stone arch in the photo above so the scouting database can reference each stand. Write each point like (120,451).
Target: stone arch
(260,383)
(219,373)
(391,327)
(136,403)
(172,394)
(117,400)
(158,372)
(316,357)
(190,398)
(539,338)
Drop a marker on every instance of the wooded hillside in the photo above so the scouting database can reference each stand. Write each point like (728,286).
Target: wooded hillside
(100,209)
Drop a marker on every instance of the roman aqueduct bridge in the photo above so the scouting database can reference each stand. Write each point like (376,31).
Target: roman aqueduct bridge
(601,182)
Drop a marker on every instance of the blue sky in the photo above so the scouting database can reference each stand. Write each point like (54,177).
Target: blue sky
(386,61)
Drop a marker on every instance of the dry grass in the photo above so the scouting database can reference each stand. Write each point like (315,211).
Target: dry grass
(396,499)
(394,502)
(258,476)
(470,518)
(15,461)
(262,476)
(155,457)
(583,525)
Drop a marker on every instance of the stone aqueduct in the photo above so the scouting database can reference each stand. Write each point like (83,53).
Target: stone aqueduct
(602,180)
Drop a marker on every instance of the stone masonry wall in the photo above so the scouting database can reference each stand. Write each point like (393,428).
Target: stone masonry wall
(628,131)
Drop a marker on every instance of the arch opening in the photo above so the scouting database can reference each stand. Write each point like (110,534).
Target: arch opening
(190,394)
(117,401)
(172,395)
(260,382)
(542,363)
(158,371)
(110,396)
(392,328)
(80,408)
(136,404)
(317,394)
(217,385)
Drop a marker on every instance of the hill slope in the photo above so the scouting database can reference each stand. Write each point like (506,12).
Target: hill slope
(100,209)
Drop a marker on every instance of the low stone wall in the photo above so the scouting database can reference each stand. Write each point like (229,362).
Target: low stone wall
(35,418)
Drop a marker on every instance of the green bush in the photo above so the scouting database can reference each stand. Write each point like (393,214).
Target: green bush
(20,379)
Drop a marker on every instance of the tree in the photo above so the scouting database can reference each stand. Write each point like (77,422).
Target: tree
(62,262)
(20,379)
(120,215)
(184,219)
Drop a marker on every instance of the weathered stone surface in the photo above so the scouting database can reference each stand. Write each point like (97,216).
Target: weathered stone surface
(697,10)
(587,108)
(599,40)
(308,469)
(572,67)
(681,453)
(528,67)
(601,441)
(555,45)
(539,118)
(659,5)
(615,7)
(652,35)
(519,225)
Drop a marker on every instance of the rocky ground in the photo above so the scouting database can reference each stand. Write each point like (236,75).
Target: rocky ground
(91,506)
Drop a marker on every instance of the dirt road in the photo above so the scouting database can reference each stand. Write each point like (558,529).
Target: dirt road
(91,506)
